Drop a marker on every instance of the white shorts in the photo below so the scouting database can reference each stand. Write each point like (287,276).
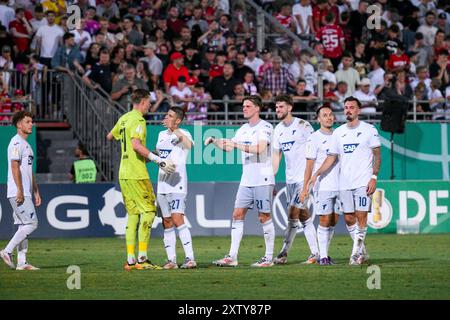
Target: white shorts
(293,199)
(261,196)
(171,203)
(25,213)
(327,202)
(355,200)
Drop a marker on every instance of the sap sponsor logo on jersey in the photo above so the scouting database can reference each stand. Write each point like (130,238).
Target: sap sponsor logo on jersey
(350,147)
(286,146)
(164,153)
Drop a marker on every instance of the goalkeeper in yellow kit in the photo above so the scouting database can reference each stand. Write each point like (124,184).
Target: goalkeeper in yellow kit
(134,180)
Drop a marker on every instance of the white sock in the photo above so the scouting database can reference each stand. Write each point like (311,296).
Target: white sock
(311,236)
(22,250)
(269,238)
(289,235)
(323,234)
(330,236)
(358,242)
(237,231)
(170,242)
(21,234)
(351,230)
(186,240)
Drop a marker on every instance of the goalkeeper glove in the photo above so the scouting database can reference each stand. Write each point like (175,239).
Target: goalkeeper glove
(166,165)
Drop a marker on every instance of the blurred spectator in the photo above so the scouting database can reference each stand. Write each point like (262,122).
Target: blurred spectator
(358,21)
(100,75)
(303,69)
(240,69)
(438,69)
(173,21)
(222,86)
(348,74)
(302,96)
(398,61)
(92,55)
(238,95)
(200,104)
(443,23)
(439,42)
(401,86)
(123,88)
(7,65)
(251,60)
(302,13)
(278,78)
(37,21)
(108,9)
(142,72)
(155,65)
(57,6)
(38,73)
(82,38)
(361,58)
(48,38)
(174,71)
(197,20)
(217,69)
(68,56)
(181,94)
(117,56)
(425,52)
(266,56)
(249,85)
(422,77)
(7,14)
(284,17)
(133,36)
(341,94)
(191,57)
(92,25)
(368,99)
(83,170)
(420,96)
(332,38)
(437,101)
(428,29)
(22,32)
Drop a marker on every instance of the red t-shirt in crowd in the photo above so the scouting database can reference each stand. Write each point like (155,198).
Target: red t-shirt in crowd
(21,43)
(396,61)
(331,36)
(215,71)
(171,74)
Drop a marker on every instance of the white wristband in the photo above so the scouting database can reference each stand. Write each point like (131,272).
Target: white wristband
(374,177)
(153,157)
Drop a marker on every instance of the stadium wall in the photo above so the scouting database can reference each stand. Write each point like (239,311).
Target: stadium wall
(96,210)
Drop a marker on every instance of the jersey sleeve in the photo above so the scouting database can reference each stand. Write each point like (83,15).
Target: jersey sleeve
(333,145)
(374,141)
(15,151)
(276,141)
(137,130)
(115,131)
(236,137)
(265,133)
(311,149)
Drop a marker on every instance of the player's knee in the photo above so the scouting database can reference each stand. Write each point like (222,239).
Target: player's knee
(178,219)
(350,219)
(167,223)
(264,217)
(303,215)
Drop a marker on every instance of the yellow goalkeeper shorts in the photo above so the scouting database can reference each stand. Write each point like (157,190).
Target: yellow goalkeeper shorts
(138,196)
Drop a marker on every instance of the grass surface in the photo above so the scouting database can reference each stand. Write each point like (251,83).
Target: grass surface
(412,267)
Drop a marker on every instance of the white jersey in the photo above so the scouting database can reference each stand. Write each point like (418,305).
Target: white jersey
(169,147)
(291,140)
(316,149)
(354,148)
(19,149)
(257,169)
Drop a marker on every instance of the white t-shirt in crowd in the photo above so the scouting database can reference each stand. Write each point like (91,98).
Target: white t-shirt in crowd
(50,36)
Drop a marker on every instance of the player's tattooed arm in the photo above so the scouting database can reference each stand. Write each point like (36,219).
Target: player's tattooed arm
(376,160)
(185,141)
(255,149)
(276,158)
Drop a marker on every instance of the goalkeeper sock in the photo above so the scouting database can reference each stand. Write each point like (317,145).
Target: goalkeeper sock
(237,231)
(130,237)
(289,235)
(170,241)
(145,228)
(186,240)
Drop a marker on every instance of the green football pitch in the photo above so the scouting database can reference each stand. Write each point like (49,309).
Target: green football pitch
(411,267)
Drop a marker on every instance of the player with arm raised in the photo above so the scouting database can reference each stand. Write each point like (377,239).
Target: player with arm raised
(357,144)
(326,189)
(290,137)
(253,139)
(21,188)
(134,180)
(175,143)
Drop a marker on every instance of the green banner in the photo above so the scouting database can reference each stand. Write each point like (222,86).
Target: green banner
(6,133)
(410,207)
(421,153)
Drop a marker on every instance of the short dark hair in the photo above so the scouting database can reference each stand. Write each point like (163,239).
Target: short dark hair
(323,107)
(82,148)
(67,36)
(256,100)
(352,98)
(178,111)
(284,98)
(20,115)
(138,95)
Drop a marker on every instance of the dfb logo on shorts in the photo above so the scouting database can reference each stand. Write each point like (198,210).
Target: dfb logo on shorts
(349,148)
(287,145)
(164,153)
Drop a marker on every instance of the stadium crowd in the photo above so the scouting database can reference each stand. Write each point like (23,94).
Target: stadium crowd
(188,53)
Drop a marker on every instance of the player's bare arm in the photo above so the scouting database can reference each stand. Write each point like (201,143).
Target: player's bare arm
(185,141)
(276,158)
(329,161)
(219,143)
(17,175)
(37,195)
(110,136)
(372,186)
(255,149)
(308,173)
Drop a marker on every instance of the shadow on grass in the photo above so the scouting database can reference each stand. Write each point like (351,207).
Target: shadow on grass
(44,267)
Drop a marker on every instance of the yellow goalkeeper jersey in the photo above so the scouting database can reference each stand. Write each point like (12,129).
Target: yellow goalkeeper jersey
(131,126)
